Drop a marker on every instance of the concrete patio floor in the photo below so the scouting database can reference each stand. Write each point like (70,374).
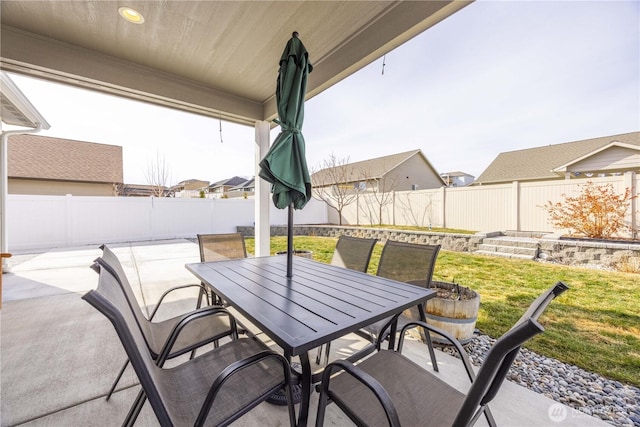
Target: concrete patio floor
(59,355)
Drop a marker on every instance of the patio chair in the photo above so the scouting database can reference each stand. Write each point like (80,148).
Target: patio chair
(353,253)
(218,247)
(215,388)
(389,389)
(186,336)
(404,262)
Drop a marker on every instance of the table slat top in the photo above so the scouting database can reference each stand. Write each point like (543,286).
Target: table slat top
(321,302)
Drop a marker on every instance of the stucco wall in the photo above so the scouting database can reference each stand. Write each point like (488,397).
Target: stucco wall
(58,188)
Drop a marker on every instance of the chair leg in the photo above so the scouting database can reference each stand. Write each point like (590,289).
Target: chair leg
(489,416)
(132,416)
(432,353)
(202,294)
(115,383)
(427,336)
(327,350)
(322,407)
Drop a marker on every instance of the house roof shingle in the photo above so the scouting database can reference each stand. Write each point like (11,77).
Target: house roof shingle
(43,157)
(236,180)
(365,169)
(539,162)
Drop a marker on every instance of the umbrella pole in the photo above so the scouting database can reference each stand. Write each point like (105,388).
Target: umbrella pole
(290,242)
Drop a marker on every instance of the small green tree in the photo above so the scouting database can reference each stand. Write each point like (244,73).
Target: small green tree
(597,212)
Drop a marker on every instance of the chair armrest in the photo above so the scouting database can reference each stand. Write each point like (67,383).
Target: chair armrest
(456,344)
(368,381)
(162,297)
(193,316)
(236,367)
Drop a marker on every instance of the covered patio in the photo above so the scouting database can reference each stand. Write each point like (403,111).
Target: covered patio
(216,59)
(59,355)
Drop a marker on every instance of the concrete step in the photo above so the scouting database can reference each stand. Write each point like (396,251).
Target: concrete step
(510,247)
(506,255)
(516,250)
(521,242)
(531,234)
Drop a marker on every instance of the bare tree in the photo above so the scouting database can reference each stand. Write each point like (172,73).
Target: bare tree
(158,175)
(416,216)
(335,184)
(380,193)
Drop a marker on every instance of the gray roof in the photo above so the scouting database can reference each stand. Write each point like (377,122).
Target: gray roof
(367,169)
(455,173)
(232,182)
(250,183)
(43,157)
(538,163)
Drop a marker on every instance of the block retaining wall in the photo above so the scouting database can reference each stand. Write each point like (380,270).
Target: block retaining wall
(606,254)
(551,247)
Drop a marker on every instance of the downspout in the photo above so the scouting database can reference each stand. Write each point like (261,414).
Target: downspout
(4,185)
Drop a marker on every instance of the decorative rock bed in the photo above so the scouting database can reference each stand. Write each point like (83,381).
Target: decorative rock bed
(584,391)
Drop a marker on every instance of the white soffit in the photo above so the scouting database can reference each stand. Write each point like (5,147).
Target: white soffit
(17,110)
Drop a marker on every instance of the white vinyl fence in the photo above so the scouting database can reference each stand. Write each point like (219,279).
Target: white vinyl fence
(42,222)
(516,206)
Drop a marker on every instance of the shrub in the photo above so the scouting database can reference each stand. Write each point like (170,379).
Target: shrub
(597,212)
(628,264)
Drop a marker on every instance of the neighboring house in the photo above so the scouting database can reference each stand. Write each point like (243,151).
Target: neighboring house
(217,189)
(189,188)
(457,179)
(246,189)
(614,154)
(54,166)
(141,190)
(248,186)
(403,171)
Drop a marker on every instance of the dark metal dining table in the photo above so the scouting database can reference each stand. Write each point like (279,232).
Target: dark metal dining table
(320,303)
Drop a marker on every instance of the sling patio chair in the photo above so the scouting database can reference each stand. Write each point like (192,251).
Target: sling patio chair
(389,389)
(353,253)
(215,388)
(186,335)
(405,262)
(218,247)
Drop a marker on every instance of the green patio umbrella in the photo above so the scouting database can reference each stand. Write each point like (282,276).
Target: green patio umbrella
(285,165)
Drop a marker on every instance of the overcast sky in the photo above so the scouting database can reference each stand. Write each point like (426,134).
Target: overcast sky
(496,76)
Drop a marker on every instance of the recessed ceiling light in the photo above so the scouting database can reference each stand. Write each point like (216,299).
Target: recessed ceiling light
(131,15)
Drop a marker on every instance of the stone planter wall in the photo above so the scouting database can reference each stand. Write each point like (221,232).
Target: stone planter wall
(607,254)
(451,242)
(552,247)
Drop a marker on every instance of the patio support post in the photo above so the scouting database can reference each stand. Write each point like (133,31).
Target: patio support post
(262,204)
(4,186)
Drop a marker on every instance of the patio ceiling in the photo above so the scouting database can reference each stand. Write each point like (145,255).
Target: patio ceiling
(215,58)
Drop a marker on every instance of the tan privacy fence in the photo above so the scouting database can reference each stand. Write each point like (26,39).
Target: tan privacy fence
(516,206)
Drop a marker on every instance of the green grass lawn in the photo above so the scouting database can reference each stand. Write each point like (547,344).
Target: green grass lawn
(594,325)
